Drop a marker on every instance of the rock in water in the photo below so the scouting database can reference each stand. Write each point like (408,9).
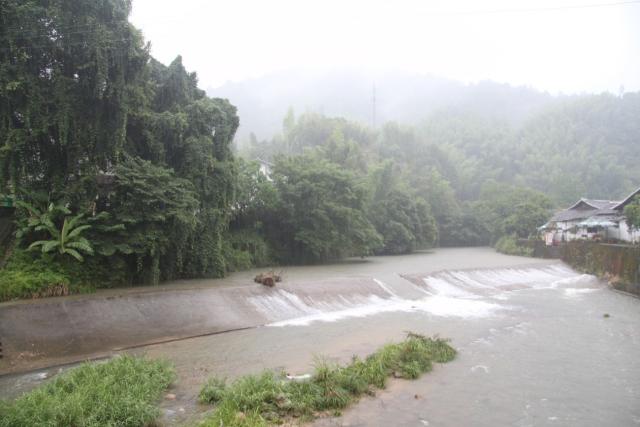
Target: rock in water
(268,278)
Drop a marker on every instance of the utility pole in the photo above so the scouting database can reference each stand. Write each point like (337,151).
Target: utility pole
(374,106)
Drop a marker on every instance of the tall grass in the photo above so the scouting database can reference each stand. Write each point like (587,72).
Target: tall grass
(267,398)
(120,392)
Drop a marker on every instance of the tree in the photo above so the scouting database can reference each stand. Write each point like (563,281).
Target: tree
(159,212)
(319,214)
(511,210)
(68,73)
(632,213)
(404,221)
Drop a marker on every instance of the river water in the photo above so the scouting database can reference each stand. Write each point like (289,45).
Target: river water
(535,347)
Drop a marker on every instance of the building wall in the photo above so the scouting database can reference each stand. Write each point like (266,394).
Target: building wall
(564,235)
(627,234)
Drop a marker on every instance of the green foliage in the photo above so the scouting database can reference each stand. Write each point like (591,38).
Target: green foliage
(263,399)
(67,241)
(319,214)
(558,150)
(20,283)
(632,213)
(245,249)
(95,125)
(464,228)
(32,218)
(37,275)
(405,222)
(213,390)
(509,245)
(414,185)
(66,91)
(511,210)
(120,392)
(158,211)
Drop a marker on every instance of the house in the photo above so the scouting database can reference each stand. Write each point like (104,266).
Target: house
(591,219)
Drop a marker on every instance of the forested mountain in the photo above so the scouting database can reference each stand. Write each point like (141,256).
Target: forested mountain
(402,97)
(476,178)
(588,146)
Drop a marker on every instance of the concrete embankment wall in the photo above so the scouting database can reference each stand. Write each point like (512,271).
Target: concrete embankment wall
(620,264)
(40,333)
(53,331)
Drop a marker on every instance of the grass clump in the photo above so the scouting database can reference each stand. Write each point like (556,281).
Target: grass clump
(213,391)
(120,392)
(268,398)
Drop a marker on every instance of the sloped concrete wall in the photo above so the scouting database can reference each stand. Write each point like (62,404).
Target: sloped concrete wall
(64,329)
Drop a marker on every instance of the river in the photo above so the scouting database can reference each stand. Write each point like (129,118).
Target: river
(539,344)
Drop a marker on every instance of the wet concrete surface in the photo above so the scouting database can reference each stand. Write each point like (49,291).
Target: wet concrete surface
(539,355)
(40,333)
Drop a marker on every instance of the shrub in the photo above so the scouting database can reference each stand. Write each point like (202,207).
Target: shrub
(120,392)
(36,275)
(509,245)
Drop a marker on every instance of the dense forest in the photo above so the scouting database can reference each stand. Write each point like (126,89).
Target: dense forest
(123,171)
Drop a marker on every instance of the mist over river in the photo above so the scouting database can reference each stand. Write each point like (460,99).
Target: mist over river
(535,347)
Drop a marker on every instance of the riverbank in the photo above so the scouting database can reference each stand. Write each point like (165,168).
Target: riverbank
(618,264)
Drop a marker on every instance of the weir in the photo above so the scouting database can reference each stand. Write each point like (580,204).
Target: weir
(43,333)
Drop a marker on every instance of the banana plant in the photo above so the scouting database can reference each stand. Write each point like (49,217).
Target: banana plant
(66,241)
(38,218)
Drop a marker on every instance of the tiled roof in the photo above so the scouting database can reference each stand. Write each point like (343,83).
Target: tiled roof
(599,208)
(627,199)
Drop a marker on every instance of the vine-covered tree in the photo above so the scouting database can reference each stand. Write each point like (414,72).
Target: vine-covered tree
(632,213)
(94,124)
(69,75)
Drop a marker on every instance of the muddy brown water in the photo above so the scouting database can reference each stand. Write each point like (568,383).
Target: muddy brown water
(534,345)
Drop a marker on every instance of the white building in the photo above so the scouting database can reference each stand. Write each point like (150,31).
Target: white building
(593,220)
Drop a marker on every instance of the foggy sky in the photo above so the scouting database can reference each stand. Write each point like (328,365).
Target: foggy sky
(569,50)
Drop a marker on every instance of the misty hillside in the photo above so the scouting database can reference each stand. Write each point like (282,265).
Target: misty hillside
(402,97)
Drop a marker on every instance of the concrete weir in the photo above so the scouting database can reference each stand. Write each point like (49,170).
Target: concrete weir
(45,332)
(42,333)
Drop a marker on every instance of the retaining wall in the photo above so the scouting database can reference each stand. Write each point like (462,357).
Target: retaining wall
(619,263)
